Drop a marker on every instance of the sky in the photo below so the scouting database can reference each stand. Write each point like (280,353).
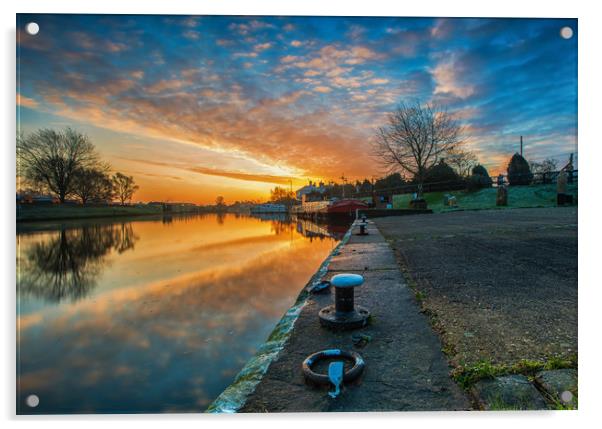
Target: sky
(199,106)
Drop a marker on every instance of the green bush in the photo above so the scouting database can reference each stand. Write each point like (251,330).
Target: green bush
(519,172)
(441,172)
(479,179)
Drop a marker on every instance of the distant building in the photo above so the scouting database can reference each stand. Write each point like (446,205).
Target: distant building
(310,189)
(269,208)
(26,198)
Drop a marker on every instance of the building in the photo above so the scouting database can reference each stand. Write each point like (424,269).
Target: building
(310,189)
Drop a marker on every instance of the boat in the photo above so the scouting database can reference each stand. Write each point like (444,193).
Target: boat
(345,207)
(331,208)
(269,208)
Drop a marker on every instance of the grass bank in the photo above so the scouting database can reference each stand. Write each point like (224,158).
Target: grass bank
(518,197)
(32,212)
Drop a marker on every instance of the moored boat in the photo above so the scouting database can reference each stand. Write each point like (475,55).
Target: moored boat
(345,207)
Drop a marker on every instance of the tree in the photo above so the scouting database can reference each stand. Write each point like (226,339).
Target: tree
(479,178)
(51,158)
(92,184)
(519,172)
(416,137)
(441,172)
(219,202)
(281,195)
(463,161)
(548,165)
(124,187)
(390,182)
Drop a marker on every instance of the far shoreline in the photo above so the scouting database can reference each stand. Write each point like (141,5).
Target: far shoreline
(26,213)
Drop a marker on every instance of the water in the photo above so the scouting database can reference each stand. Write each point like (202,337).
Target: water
(154,314)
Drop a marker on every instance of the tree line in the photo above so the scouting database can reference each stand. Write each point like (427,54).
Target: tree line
(424,144)
(66,164)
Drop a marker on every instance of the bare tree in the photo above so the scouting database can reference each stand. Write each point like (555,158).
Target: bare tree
(548,165)
(93,184)
(415,138)
(462,160)
(124,187)
(50,159)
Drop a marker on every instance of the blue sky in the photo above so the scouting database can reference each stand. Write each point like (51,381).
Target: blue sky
(196,106)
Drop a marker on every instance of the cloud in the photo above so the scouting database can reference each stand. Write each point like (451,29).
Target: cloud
(322,89)
(166,85)
(263,46)
(279,180)
(192,35)
(26,101)
(137,74)
(448,81)
(289,59)
(296,43)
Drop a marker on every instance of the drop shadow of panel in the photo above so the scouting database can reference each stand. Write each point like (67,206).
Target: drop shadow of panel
(67,265)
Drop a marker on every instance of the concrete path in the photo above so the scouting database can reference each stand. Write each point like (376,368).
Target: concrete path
(405,368)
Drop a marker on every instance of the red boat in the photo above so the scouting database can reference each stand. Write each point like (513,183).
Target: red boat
(345,207)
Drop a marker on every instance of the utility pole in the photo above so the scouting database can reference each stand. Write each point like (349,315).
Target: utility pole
(344,179)
(290,197)
(521,145)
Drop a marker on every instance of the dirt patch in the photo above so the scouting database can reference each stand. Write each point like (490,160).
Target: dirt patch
(500,286)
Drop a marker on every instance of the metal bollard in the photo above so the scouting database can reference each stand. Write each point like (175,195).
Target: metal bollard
(363,229)
(344,314)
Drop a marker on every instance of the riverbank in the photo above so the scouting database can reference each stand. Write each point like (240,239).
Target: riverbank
(405,368)
(38,212)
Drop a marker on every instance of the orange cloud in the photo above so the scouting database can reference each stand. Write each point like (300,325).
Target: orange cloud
(26,101)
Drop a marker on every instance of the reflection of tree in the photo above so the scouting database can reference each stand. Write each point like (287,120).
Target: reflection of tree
(67,265)
(220,217)
(282,227)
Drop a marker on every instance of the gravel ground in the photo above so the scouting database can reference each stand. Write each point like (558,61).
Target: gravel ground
(502,284)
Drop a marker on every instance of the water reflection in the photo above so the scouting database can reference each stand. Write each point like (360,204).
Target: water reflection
(176,310)
(66,265)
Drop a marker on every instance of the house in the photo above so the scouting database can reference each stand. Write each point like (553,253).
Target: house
(310,189)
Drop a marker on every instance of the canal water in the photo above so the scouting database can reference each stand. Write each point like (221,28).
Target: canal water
(144,315)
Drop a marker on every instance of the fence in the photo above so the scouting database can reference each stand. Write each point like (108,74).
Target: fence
(546,178)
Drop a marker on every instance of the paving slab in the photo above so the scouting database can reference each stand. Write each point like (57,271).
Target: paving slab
(511,392)
(364,256)
(560,384)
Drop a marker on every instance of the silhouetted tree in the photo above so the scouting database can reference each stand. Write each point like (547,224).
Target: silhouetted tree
(462,161)
(51,159)
(281,195)
(92,184)
(441,172)
(479,178)
(124,187)
(391,181)
(519,172)
(416,137)
(548,165)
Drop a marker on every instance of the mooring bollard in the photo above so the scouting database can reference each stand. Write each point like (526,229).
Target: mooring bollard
(344,314)
(363,226)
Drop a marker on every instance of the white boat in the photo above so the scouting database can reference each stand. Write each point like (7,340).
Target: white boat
(269,208)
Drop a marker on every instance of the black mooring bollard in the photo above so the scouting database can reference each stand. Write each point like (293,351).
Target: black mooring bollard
(363,229)
(344,314)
